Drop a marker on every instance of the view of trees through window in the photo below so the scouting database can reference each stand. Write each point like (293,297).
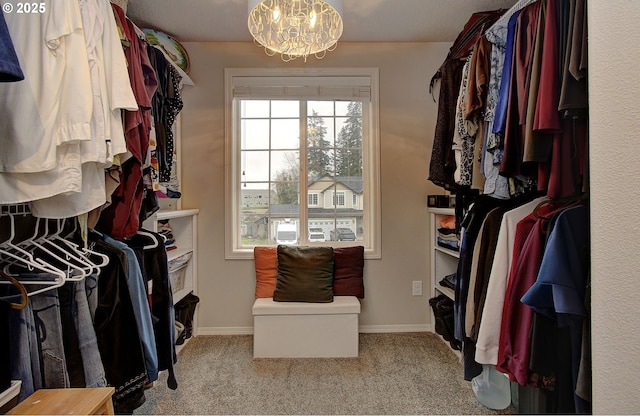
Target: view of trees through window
(276,207)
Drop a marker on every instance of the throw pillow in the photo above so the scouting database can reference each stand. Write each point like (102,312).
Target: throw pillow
(348,271)
(266,262)
(305,274)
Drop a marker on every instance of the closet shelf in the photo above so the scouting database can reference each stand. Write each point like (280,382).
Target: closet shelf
(448,251)
(178,252)
(446,291)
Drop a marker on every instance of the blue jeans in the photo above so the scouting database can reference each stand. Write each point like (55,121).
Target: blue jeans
(46,317)
(92,363)
(24,355)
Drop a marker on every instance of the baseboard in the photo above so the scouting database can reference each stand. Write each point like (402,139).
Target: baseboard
(378,329)
(364,329)
(226,330)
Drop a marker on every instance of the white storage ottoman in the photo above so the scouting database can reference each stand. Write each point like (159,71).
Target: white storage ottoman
(305,330)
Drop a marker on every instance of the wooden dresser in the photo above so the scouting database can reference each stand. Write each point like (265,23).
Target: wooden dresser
(87,401)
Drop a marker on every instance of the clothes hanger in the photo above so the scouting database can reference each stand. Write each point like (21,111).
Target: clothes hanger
(88,251)
(38,245)
(23,292)
(83,251)
(68,248)
(21,257)
(560,204)
(9,244)
(59,276)
(151,236)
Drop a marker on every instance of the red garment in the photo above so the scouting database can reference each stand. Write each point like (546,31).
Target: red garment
(514,349)
(547,116)
(568,159)
(121,218)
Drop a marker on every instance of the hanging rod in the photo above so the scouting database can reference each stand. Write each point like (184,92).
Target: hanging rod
(15,209)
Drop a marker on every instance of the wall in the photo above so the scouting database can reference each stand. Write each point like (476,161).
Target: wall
(407,119)
(614,93)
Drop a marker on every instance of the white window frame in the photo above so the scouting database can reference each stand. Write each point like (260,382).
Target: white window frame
(307,84)
(315,196)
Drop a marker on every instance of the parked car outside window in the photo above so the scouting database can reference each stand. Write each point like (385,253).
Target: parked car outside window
(343,234)
(316,235)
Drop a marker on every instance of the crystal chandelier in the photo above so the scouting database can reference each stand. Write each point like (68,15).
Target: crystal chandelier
(296,28)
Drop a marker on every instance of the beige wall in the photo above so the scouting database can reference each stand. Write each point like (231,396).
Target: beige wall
(407,117)
(614,94)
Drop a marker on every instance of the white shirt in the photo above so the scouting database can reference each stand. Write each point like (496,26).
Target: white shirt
(107,65)
(489,331)
(53,104)
(65,177)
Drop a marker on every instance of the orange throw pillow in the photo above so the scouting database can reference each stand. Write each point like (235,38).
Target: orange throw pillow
(266,262)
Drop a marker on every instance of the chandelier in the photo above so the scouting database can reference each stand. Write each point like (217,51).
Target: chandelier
(295,28)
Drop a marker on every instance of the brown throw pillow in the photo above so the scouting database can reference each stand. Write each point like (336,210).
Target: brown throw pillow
(305,274)
(266,262)
(348,271)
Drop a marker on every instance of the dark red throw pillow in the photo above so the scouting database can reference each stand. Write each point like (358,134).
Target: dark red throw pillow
(348,268)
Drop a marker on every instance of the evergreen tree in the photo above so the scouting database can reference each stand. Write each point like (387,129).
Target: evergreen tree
(287,181)
(319,162)
(349,143)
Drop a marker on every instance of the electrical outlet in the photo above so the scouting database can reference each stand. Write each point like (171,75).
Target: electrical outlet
(416,288)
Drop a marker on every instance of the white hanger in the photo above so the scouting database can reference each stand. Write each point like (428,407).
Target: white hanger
(80,274)
(70,249)
(104,259)
(148,234)
(21,257)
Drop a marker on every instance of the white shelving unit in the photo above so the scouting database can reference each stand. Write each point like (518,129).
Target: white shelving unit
(184,227)
(444,261)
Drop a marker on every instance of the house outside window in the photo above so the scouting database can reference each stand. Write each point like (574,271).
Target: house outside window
(299,147)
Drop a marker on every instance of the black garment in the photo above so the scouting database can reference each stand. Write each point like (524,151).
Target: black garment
(117,333)
(443,163)
(472,222)
(166,104)
(185,310)
(155,268)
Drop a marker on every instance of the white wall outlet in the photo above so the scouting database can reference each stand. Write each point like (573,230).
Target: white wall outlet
(416,288)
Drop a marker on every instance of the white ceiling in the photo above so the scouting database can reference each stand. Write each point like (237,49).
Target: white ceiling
(364,20)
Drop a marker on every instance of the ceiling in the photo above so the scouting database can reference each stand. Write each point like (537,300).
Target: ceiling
(364,20)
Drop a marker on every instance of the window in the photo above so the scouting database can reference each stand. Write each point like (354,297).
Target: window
(302,151)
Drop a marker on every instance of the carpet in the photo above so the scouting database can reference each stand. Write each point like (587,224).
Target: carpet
(395,373)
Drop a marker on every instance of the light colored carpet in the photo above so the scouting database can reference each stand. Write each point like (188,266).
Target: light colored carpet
(398,373)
